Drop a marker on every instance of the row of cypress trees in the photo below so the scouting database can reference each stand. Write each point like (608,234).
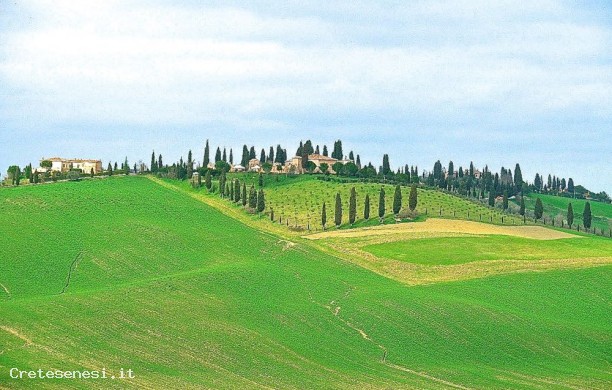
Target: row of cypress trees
(397,205)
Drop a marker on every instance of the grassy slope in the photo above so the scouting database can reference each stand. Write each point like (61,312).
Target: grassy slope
(212,302)
(457,250)
(557,206)
(300,199)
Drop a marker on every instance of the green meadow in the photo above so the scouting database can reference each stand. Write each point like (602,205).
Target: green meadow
(153,276)
(458,250)
(556,207)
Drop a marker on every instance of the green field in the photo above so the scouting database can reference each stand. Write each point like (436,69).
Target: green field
(165,284)
(556,207)
(298,200)
(458,250)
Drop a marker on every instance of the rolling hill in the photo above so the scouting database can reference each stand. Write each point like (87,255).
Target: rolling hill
(190,292)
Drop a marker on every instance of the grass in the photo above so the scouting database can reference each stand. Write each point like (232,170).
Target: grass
(188,297)
(556,207)
(459,250)
(297,202)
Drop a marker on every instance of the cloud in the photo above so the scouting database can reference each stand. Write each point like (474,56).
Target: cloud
(267,65)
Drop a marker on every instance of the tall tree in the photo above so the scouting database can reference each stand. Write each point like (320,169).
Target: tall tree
(353,206)
(451,169)
(338,211)
(206,159)
(237,191)
(252,198)
(491,198)
(261,201)
(397,200)
(570,186)
(323,216)
(471,169)
(539,209)
(537,182)
(153,163)
(271,155)
(505,200)
(245,156)
(518,178)
(126,166)
(189,165)
(412,199)
(386,168)
(381,204)
(160,162)
(244,194)
(570,215)
(208,180)
(522,209)
(366,208)
(337,153)
(224,158)
(252,153)
(586,216)
(109,169)
(325,152)
(218,155)
(262,156)
(231,157)
(260,180)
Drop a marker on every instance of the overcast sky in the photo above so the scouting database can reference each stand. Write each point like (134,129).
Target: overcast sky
(493,82)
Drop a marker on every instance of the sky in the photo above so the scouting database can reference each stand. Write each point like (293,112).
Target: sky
(493,82)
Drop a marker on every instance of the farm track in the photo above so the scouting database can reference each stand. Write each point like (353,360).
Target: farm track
(73,267)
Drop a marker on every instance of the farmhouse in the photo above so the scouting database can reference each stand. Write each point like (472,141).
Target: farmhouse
(64,165)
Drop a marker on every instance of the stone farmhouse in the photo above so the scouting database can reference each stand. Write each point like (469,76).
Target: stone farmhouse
(294,165)
(64,165)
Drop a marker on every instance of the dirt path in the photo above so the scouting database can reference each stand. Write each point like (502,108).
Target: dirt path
(6,290)
(450,226)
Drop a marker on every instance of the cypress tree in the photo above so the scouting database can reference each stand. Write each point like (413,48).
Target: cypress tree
(586,216)
(231,192)
(522,209)
(271,155)
(208,180)
(245,157)
(570,186)
(261,201)
(153,163)
(231,157)
(491,198)
(386,168)
(227,190)
(252,153)
(91,172)
(109,169)
(262,156)
(224,158)
(199,181)
(325,152)
(244,194)
(252,198)
(338,211)
(570,215)
(366,208)
(260,180)
(451,169)
(206,159)
(397,200)
(412,199)
(189,165)
(353,206)
(323,216)
(237,191)
(218,155)
(505,200)
(160,162)
(381,204)
(539,209)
